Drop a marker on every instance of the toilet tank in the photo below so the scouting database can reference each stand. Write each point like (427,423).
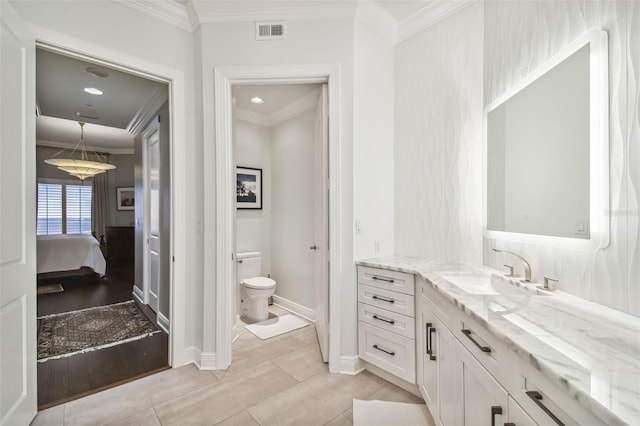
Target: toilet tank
(248,265)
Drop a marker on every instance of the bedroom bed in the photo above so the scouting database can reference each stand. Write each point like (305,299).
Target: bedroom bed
(68,253)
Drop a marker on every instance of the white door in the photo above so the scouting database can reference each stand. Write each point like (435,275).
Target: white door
(321,245)
(18,403)
(152,214)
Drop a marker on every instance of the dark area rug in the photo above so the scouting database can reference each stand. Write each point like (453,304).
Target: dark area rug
(70,333)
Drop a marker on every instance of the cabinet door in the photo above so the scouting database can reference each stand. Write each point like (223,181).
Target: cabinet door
(444,345)
(481,398)
(517,416)
(428,375)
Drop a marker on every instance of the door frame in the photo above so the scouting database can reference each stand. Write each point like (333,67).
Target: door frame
(85,50)
(224,200)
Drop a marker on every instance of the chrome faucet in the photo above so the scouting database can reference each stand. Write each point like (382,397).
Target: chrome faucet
(527,267)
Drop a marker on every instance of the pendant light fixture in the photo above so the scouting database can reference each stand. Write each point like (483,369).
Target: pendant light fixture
(81,167)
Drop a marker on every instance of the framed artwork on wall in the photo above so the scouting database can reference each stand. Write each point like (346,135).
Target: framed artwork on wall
(248,188)
(126,198)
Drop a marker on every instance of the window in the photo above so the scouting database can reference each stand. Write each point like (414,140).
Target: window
(63,208)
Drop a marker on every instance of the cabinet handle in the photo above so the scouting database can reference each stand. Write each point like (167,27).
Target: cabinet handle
(385,351)
(388,280)
(537,398)
(428,337)
(495,410)
(384,319)
(382,298)
(509,424)
(431,331)
(467,333)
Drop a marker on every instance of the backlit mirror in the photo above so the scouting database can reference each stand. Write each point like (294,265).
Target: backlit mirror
(546,146)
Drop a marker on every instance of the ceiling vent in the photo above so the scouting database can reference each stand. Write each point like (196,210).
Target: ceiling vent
(271,30)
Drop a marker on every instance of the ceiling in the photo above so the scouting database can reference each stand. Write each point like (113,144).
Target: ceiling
(112,118)
(276,96)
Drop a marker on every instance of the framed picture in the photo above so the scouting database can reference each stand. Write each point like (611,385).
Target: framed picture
(248,188)
(126,198)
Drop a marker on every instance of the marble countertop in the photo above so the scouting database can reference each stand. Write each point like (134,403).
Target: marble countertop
(591,351)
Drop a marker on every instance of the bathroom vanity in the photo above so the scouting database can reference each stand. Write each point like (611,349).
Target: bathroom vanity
(485,349)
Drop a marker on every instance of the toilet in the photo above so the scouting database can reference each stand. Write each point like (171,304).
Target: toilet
(254,290)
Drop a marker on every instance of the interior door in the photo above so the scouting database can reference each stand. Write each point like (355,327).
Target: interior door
(152,213)
(18,402)
(321,158)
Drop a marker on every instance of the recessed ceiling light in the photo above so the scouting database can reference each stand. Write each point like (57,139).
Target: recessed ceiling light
(93,91)
(257,100)
(96,72)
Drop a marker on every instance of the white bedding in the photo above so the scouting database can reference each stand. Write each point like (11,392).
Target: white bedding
(69,252)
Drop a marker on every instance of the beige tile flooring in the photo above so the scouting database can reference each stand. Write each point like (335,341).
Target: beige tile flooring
(278,381)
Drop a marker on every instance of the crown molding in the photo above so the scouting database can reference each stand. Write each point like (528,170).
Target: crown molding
(148,110)
(251,117)
(211,11)
(378,19)
(431,14)
(62,145)
(170,11)
(294,109)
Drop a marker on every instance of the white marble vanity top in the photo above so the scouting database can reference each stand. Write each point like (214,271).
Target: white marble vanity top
(588,349)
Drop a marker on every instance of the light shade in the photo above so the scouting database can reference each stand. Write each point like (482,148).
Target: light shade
(81,168)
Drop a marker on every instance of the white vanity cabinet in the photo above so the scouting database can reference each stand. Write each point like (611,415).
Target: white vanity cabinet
(467,377)
(386,321)
(436,362)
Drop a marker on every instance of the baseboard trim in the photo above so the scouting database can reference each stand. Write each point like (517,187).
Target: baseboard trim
(208,361)
(138,295)
(163,322)
(192,356)
(351,365)
(296,308)
(409,387)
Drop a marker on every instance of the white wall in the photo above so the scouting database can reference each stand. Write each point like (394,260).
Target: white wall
(253,227)
(518,37)
(438,139)
(116,28)
(373,142)
(293,218)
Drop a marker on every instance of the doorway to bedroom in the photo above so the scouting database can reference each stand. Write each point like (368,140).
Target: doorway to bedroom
(103,288)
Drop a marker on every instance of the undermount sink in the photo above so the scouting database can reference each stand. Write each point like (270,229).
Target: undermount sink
(487,284)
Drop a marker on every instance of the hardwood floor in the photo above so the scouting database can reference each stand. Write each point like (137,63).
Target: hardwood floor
(79,375)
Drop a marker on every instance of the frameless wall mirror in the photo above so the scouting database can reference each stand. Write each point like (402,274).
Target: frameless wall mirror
(546,152)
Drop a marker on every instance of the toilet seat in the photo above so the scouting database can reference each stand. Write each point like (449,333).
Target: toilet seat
(259,283)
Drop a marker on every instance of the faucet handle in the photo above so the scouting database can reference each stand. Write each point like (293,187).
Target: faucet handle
(545,286)
(511,272)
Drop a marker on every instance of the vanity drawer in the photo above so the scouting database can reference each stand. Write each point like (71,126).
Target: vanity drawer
(389,351)
(387,320)
(385,299)
(388,280)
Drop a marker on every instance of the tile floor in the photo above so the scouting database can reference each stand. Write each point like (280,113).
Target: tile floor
(278,381)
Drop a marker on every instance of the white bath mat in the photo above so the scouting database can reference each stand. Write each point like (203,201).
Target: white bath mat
(275,326)
(386,413)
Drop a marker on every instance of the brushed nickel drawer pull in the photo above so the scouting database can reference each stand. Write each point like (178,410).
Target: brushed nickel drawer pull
(537,398)
(467,333)
(388,280)
(384,319)
(385,351)
(382,298)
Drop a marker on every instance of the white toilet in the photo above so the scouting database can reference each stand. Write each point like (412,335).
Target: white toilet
(254,289)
